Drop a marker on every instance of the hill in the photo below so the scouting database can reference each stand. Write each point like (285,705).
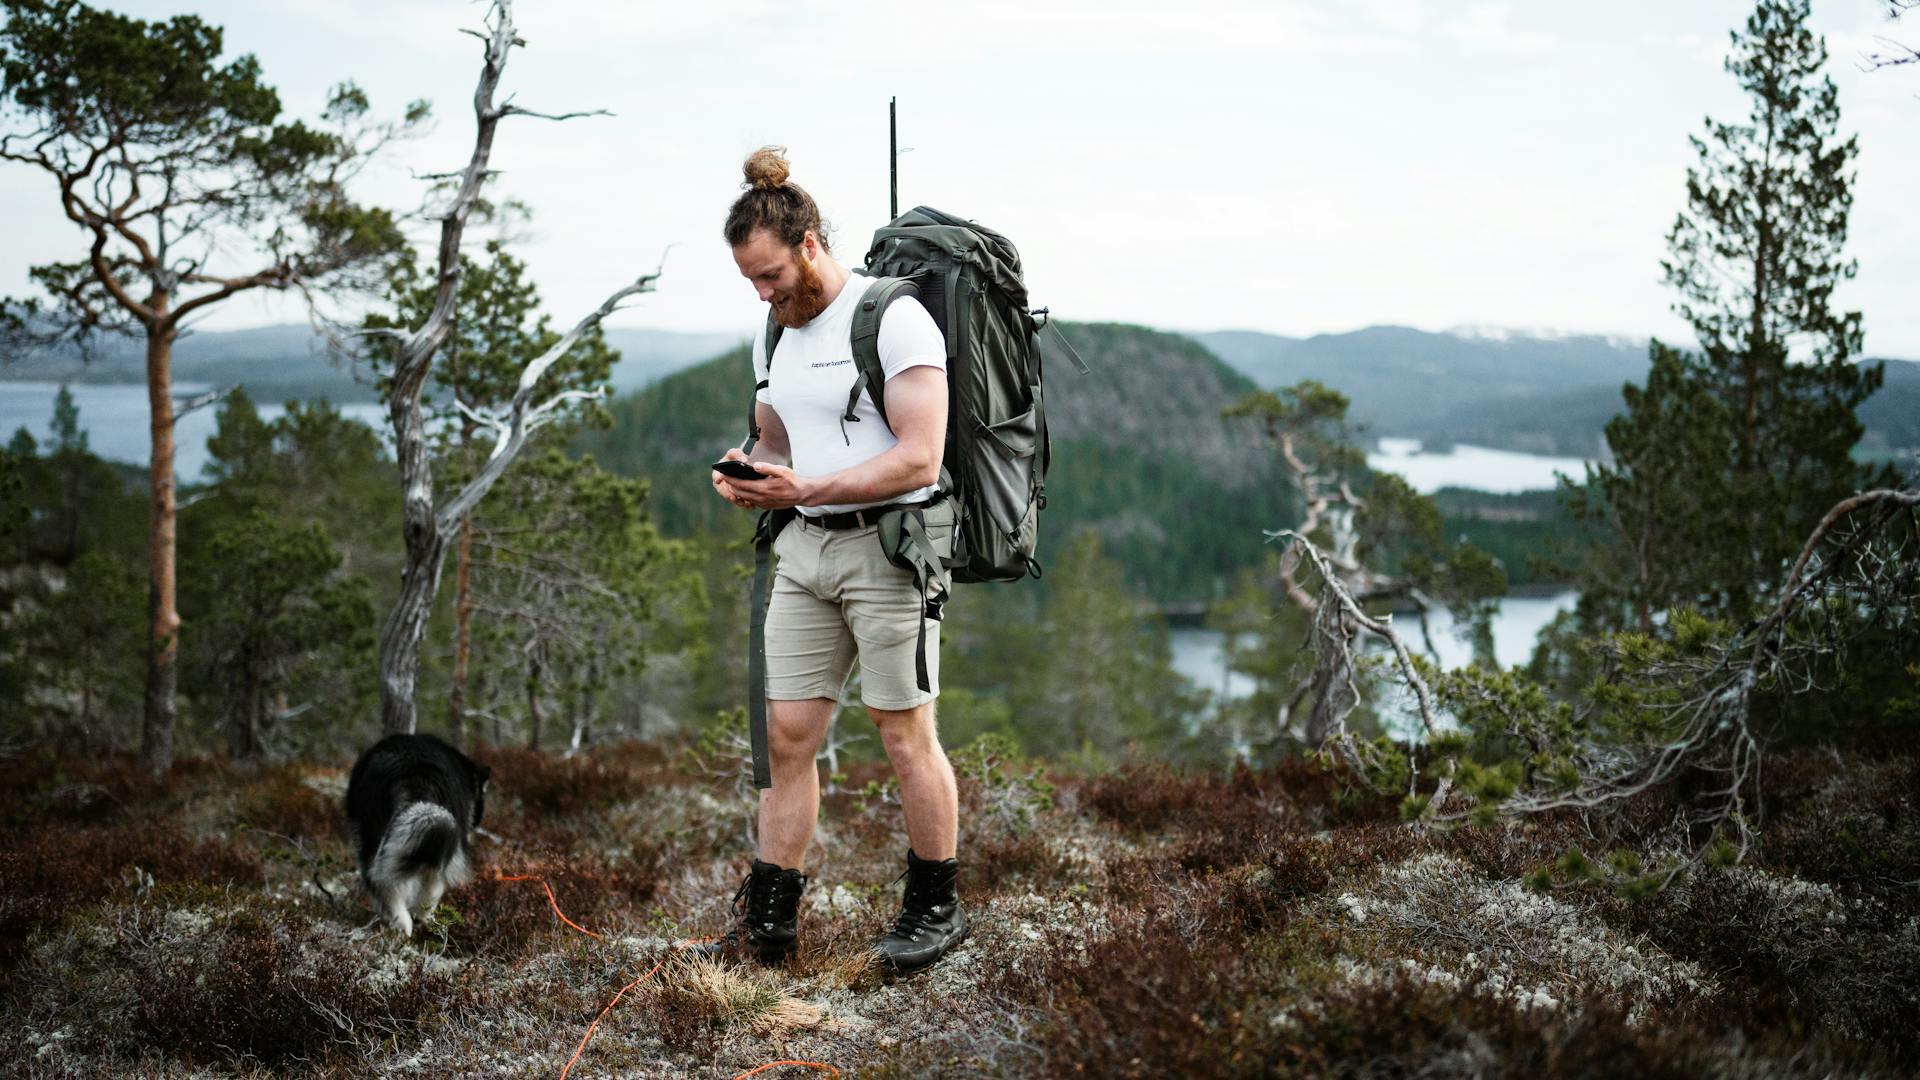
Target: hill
(1140,453)
(1537,392)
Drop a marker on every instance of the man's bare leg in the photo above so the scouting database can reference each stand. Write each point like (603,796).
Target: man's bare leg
(789,809)
(927,791)
(930,920)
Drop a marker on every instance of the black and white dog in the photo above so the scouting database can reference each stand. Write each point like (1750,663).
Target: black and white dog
(410,801)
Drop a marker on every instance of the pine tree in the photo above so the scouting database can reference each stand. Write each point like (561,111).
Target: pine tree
(1728,457)
(191,188)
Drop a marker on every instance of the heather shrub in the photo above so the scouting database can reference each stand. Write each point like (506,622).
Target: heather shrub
(221,978)
(1849,822)
(494,916)
(51,873)
(1797,952)
(1153,1000)
(546,785)
(287,800)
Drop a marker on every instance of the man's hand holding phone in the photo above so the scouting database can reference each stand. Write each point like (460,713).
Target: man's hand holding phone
(757,485)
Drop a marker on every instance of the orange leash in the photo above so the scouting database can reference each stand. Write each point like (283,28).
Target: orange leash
(582,1048)
(550,900)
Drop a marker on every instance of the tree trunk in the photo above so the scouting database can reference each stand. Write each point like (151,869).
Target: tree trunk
(420,581)
(406,626)
(534,721)
(583,710)
(163,619)
(462,633)
(243,726)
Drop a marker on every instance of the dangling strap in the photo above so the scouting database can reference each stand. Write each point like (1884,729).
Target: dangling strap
(916,526)
(764,535)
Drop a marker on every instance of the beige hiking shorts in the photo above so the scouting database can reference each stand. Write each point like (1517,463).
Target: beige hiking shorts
(837,598)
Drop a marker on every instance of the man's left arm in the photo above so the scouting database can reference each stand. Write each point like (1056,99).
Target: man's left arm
(917,406)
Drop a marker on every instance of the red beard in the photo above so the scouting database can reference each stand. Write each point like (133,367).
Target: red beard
(800,307)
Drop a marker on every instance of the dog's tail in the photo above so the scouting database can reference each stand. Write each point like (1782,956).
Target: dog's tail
(422,837)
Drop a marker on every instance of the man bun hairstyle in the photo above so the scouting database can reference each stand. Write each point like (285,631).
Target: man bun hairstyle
(772,203)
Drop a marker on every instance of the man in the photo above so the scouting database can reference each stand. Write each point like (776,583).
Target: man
(836,597)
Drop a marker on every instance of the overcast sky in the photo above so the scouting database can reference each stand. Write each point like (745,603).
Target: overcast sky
(1296,167)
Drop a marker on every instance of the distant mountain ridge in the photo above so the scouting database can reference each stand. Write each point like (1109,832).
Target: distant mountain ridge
(1542,392)
(1535,391)
(277,363)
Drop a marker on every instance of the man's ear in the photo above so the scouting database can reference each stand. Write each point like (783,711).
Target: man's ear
(810,246)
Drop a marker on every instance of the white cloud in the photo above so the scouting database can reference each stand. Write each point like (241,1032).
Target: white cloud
(1302,166)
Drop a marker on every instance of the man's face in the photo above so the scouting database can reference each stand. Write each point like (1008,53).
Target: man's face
(784,277)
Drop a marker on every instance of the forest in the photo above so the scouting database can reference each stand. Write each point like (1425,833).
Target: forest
(1681,839)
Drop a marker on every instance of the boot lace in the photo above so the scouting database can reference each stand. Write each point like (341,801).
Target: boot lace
(756,907)
(916,907)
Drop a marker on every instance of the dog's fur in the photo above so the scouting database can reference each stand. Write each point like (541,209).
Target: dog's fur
(410,802)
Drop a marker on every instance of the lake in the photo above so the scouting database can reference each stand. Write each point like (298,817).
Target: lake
(1200,654)
(1477,467)
(114,417)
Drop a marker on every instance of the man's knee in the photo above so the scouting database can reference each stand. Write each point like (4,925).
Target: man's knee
(909,735)
(795,729)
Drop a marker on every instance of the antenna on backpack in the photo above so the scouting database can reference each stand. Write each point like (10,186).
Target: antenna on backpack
(893,157)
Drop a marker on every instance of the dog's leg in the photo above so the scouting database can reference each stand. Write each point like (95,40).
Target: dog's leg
(393,899)
(436,884)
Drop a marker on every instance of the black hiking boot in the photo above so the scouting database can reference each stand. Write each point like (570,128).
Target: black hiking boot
(766,917)
(930,920)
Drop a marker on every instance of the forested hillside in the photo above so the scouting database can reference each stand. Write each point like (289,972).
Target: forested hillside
(1140,453)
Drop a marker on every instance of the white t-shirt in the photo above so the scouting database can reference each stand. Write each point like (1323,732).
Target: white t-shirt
(815,372)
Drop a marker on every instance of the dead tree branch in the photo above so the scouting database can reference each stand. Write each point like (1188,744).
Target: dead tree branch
(427,527)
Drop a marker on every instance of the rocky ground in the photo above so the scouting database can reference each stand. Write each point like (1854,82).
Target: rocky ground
(1144,923)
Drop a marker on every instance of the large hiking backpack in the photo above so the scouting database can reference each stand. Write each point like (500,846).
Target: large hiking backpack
(994,468)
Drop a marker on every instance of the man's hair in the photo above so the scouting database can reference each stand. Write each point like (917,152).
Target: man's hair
(773,204)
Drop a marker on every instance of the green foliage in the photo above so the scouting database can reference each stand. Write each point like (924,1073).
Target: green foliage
(277,623)
(562,585)
(573,585)
(1083,670)
(1727,458)
(72,595)
(147,123)
(1005,789)
(499,330)
(281,551)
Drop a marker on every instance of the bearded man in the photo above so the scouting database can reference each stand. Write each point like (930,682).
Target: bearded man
(836,598)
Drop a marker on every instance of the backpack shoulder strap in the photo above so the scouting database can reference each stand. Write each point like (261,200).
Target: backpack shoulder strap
(880,294)
(772,339)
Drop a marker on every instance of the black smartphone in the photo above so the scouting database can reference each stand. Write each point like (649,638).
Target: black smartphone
(737,469)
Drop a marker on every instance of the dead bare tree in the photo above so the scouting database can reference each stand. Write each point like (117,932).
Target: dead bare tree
(428,528)
(1892,53)
(1855,573)
(1307,425)
(1711,717)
